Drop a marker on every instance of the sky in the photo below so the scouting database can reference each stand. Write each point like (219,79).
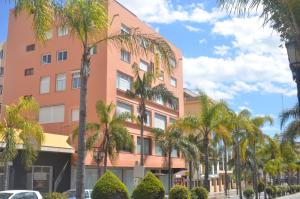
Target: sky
(233,58)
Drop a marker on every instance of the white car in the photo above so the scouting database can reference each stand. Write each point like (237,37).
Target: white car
(71,194)
(20,194)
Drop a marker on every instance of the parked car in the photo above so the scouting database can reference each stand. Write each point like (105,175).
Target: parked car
(20,194)
(71,194)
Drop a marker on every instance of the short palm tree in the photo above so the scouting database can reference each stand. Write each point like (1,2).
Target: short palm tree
(109,134)
(20,125)
(173,139)
(144,90)
(289,158)
(88,22)
(292,130)
(205,124)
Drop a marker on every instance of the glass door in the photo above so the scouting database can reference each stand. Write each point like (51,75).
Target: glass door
(42,179)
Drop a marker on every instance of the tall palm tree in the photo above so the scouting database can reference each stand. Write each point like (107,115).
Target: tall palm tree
(90,28)
(144,89)
(241,123)
(205,124)
(292,130)
(289,158)
(19,124)
(255,137)
(109,134)
(173,139)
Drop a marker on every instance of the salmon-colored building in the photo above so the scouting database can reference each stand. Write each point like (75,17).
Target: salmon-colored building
(50,73)
(2,63)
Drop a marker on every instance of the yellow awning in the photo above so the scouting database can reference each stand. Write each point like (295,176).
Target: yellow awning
(52,143)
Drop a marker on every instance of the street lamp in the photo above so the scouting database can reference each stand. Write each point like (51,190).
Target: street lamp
(98,156)
(293,52)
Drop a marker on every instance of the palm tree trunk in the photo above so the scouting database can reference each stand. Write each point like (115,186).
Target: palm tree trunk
(5,176)
(298,176)
(80,172)
(106,148)
(142,113)
(265,182)
(206,175)
(99,169)
(255,171)
(190,174)
(239,171)
(225,168)
(170,169)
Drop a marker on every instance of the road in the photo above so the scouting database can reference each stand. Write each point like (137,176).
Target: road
(232,195)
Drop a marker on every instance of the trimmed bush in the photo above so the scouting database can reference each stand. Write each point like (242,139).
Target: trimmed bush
(150,187)
(261,186)
(248,193)
(55,195)
(179,192)
(271,191)
(199,193)
(109,186)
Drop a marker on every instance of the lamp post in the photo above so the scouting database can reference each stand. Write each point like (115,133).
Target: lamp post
(293,52)
(98,156)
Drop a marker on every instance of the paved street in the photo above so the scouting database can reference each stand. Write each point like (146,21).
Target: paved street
(232,195)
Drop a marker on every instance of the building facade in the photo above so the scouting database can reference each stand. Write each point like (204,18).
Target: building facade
(2,64)
(192,107)
(50,73)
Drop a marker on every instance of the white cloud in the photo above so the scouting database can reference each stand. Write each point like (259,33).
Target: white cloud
(221,50)
(244,108)
(202,41)
(163,11)
(192,28)
(257,63)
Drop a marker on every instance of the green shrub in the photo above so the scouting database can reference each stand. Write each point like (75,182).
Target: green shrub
(261,186)
(270,191)
(199,193)
(179,192)
(55,195)
(248,193)
(109,186)
(150,187)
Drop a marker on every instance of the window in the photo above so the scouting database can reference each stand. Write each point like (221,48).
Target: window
(52,114)
(162,75)
(124,29)
(44,85)
(49,34)
(147,146)
(1,89)
(75,115)
(124,82)
(62,55)
(160,121)
(93,50)
(172,120)
(159,100)
(123,108)
(30,47)
(46,59)
(62,31)
(172,62)
(174,153)
(76,79)
(147,121)
(1,54)
(173,82)
(158,150)
(1,71)
(144,66)
(60,82)
(125,56)
(28,71)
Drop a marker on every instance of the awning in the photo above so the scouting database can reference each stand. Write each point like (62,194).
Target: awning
(52,143)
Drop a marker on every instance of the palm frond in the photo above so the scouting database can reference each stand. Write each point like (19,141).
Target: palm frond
(288,114)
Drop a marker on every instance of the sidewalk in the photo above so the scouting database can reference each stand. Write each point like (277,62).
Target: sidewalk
(221,195)
(293,196)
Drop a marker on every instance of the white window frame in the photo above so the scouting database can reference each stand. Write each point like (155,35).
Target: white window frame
(125,54)
(124,77)
(60,78)
(50,114)
(49,34)
(159,116)
(173,82)
(125,29)
(75,74)
(144,64)
(93,50)
(62,51)
(62,31)
(75,115)
(124,106)
(45,86)
(48,61)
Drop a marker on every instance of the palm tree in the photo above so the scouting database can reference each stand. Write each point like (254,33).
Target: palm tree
(255,137)
(289,158)
(144,90)
(110,134)
(205,124)
(240,124)
(173,139)
(19,124)
(292,130)
(90,28)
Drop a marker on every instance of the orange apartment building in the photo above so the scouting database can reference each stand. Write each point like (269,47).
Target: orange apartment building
(2,63)
(50,73)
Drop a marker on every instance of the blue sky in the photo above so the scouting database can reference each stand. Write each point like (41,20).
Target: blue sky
(230,58)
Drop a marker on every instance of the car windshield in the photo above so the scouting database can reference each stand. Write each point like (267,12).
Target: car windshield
(71,194)
(5,195)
